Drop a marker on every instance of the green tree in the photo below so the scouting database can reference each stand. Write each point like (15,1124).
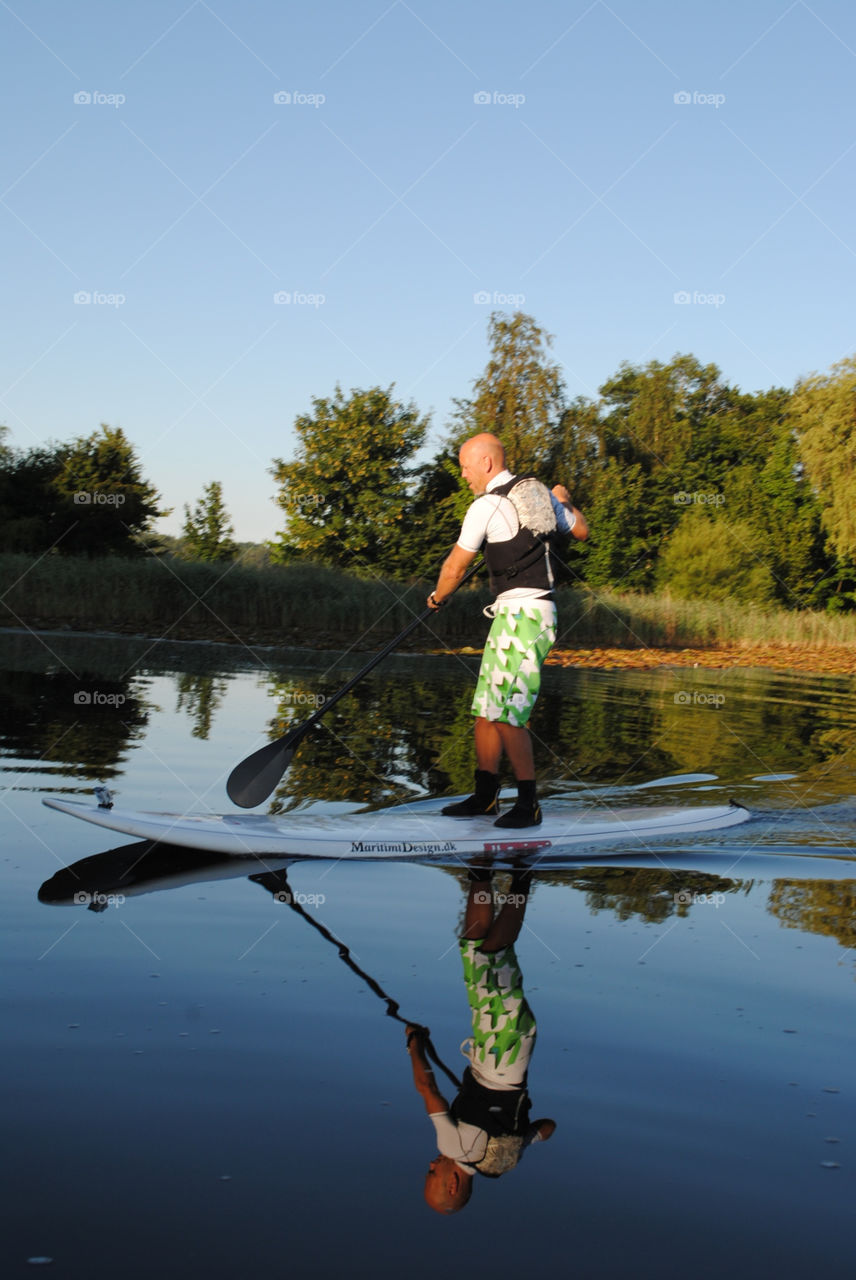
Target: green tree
(109,504)
(623,546)
(520,397)
(346,496)
(709,557)
(33,515)
(207,529)
(823,412)
(436,509)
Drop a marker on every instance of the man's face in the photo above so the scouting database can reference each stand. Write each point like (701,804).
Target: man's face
(473,469)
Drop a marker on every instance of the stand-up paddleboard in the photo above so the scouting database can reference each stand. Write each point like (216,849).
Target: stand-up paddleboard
(405,832)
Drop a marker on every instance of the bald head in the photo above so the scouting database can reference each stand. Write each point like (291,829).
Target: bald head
(481,458)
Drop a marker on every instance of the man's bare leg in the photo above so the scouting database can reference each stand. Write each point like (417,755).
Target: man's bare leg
(495,736)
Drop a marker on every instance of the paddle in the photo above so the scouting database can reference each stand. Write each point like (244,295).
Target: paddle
(253,780)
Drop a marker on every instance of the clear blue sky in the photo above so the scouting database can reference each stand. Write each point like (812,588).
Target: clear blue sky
(183,198)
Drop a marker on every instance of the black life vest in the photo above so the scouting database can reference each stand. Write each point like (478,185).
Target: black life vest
(526,560)
(497,1111)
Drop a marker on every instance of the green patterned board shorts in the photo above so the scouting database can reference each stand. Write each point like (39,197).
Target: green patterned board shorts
(503,1024)
(521,636)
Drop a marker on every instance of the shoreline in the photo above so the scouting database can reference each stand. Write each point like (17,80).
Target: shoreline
(820,660)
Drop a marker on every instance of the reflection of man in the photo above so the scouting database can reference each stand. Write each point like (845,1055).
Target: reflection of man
(487,1127)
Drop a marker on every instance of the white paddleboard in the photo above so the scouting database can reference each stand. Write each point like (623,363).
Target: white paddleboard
(405,832)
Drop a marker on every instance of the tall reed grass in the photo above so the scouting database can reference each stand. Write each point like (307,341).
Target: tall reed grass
(314,605)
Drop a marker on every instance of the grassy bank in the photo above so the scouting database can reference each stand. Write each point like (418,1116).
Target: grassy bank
(309,605)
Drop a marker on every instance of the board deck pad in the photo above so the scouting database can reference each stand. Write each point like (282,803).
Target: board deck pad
(414,831)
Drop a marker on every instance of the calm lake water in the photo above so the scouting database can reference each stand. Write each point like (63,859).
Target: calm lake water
(203,1081)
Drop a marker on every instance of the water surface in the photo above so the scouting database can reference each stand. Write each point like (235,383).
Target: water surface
(200,1080)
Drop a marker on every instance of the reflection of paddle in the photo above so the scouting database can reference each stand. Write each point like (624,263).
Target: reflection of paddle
(277,883)
(252,781)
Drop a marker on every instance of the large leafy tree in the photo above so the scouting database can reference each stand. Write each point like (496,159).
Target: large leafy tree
(520,396)
(113,504)
(85,497)
(823,412)
(346,496)
(207,529)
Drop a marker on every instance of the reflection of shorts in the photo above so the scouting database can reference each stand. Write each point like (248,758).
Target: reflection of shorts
(503,1024)
(521,636)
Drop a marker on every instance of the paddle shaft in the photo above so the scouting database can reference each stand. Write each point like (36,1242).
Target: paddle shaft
(378,658)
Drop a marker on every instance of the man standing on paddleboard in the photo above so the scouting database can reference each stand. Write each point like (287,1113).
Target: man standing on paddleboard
(517,520)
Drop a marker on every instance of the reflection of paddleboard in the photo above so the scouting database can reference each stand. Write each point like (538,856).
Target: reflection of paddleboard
(406,831)
(133,869)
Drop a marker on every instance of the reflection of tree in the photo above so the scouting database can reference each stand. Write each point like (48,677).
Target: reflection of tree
(200,696)
(378,745)
(75,720)
(826,907)
(651,893)
(409,730)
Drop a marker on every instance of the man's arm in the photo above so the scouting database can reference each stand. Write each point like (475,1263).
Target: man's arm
(580,528)
(454,567)
(423,1076)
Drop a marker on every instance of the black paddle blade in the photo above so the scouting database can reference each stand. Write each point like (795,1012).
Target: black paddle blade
(253,780)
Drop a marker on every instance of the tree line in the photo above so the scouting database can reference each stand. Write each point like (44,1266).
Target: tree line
(689,484)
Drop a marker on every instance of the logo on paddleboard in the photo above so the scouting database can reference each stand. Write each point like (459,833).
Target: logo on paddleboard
(402,846)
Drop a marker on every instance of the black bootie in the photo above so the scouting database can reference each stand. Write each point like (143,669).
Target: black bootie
(485,799)
(526,811)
